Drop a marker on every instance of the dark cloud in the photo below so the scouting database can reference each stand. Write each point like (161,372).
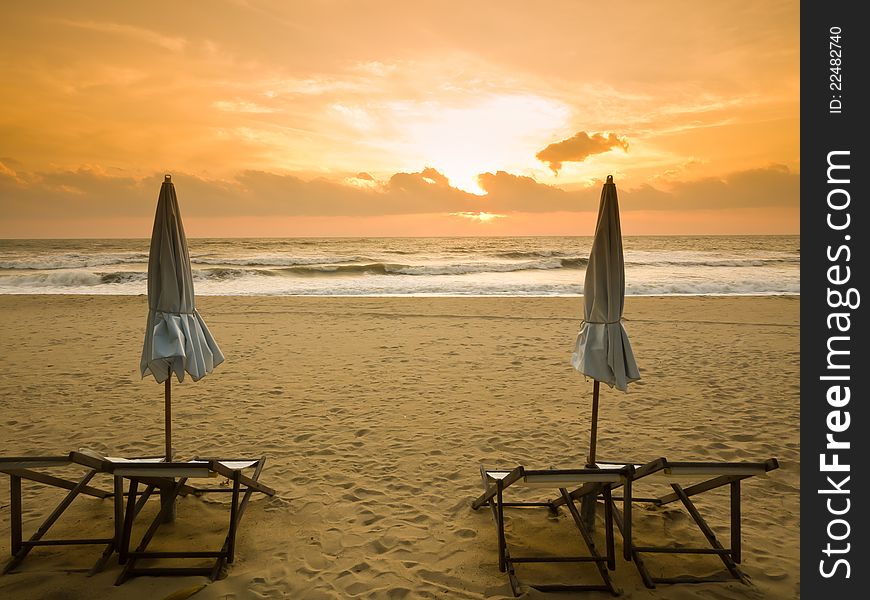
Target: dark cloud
(80,193)
(94,194)
(773,186)
(518,193)
(578,148)
(365,177)
(426,181)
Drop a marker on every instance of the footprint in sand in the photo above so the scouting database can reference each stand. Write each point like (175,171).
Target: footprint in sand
(465,534)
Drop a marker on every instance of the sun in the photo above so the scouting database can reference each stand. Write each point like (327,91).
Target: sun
(477,135)
(480,217)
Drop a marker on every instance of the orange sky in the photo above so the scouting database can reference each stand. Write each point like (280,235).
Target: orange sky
(359,118)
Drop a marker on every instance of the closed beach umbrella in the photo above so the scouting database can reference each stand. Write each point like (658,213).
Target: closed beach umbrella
(602,350)
(176,338)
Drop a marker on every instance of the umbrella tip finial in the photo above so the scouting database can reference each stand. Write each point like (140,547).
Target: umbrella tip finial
(167,177)
(609,178)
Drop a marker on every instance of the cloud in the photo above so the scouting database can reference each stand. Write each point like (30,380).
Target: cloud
(242,106)
(362,180)
(772,186)
(579,148)
(95,194)
(518,193)
(141,34)
(7,171)
(415,182)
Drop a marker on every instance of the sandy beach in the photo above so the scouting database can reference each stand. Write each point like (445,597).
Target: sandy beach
(375,414)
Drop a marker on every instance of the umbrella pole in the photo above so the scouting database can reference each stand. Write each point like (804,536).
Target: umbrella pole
(166,491)
(587,504)
(593,439)
(167,426)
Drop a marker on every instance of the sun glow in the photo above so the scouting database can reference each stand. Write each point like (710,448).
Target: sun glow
(469,138)
(480,217)
(360,121)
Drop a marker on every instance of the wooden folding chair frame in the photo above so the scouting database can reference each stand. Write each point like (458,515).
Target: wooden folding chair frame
(712,475)
(594,482)
(23,468)
(173,477)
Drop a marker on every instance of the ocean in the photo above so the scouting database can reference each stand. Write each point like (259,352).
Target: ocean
(479,266)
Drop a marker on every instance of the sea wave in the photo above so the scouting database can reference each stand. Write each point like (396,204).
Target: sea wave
(72,278)
(529,254)
(75,278)
(408,266)
(366,264)
(464,268)
(277,260)
(717,262)
(72,261)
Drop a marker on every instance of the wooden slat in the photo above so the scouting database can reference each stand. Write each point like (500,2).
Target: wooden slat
(176,554)
(30,462)
(58,482)
(678,550)
(69,542)
(692,579)
(557,559)
(490,489)
(699,488)
(164,470)
(175,571)
(559,587)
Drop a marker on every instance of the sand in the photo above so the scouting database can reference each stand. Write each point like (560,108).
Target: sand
(375,414)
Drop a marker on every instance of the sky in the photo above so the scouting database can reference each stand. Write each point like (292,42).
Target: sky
(375,118)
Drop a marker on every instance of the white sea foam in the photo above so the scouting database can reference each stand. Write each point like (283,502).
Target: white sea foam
(755,265)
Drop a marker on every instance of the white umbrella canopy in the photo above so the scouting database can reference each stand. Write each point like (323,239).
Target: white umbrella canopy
(602,350)
(176,338)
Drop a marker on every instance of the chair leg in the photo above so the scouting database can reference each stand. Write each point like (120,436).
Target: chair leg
(708,533)
(166,507)
(225,550)
(25,548)
(633,555)
(15,526)
(626,531)
(15,504)
(590,543)
(118,499)
(608,528)
(512,577)
(104,558)
(735,521)
(234,509)
(129,514)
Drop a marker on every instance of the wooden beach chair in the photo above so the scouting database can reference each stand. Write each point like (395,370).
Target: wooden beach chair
(173,476)
(45,470)
(682,481)
(591,482)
